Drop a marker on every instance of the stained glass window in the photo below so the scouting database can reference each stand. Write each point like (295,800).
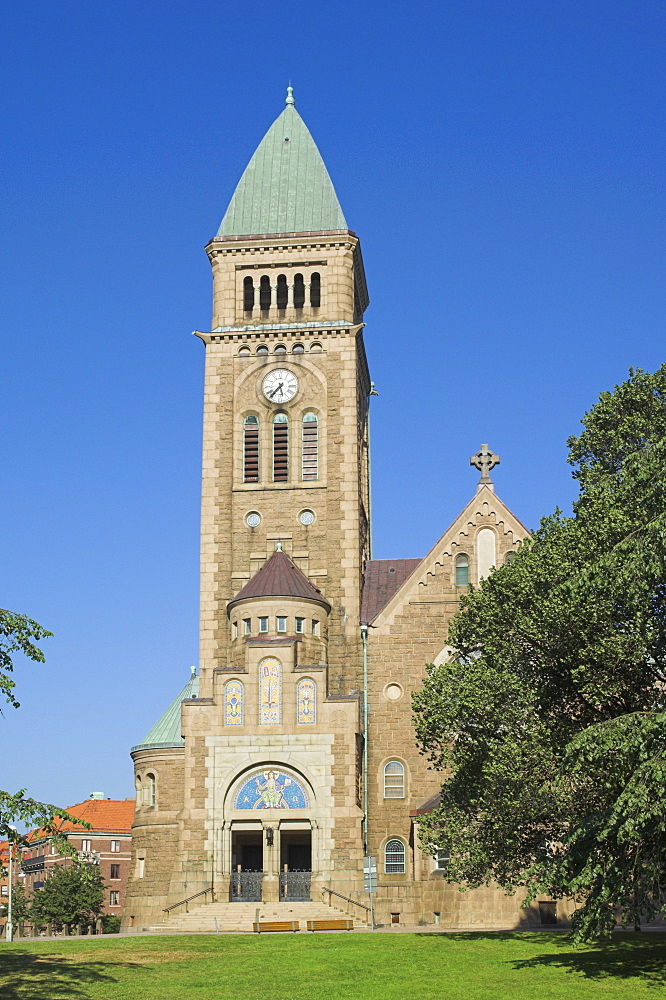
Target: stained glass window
(233,703)
(306,692)
(270,691)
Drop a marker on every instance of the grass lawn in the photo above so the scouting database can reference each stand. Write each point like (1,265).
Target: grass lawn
(335,966)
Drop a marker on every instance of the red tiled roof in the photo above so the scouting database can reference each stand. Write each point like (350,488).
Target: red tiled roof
(383,579)
(104,815)
(279,577)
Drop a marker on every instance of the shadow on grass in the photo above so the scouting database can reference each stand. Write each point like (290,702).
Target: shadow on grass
(35,977)
(626,956)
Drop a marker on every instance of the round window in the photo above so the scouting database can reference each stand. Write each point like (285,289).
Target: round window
(253,519)
(393,692)
(306,517)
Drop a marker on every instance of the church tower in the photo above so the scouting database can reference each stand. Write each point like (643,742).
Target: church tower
(285,452)
(291,754)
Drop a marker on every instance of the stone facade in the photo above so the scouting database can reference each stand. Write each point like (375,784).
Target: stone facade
(276,778)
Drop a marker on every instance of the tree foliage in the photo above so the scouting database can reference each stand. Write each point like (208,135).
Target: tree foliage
(71,895)
(550,720)
(17,635)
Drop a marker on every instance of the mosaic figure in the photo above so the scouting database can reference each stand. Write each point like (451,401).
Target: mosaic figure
(233,703)
(270,691)
(271,789)
(306,693)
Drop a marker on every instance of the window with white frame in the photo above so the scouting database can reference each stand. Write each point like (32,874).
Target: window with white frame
(394,780)
(442,858)
(263,623)
(86,845)
(394,857)
(300,626)
(115,847)
(114,898)
(247,626)
(150,790)
(281,623)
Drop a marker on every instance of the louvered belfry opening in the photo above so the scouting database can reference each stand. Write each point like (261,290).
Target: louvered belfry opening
(280,448)
(310,447)
(251,449)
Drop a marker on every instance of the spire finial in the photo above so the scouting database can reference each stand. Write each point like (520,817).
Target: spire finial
(485,460)
(278,546)
(290,102)
(193,671)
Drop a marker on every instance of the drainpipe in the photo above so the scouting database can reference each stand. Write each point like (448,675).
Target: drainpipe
(364,640)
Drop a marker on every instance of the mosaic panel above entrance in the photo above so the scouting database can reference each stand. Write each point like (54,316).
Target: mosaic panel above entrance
(271,789)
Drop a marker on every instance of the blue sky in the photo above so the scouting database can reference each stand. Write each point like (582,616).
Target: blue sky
(503,164)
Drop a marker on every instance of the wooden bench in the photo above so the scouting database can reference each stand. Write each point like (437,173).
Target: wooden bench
(330,925)
(275,925)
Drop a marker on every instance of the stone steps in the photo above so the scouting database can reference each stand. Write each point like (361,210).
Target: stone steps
(229,918)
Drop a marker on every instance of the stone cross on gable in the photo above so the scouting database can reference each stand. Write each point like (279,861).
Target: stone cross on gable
(485,460)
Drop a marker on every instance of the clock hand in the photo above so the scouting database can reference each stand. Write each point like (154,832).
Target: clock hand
(277,389)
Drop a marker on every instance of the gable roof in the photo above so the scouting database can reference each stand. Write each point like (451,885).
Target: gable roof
(280,577)
(285,187)
(166,731)
(104,816)
(383,578)
(485,503)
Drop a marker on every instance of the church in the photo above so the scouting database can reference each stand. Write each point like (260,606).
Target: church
(291,755)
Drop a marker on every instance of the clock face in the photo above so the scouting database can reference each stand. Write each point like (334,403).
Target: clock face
(280,386)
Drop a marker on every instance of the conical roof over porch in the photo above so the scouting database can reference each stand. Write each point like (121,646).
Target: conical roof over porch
(280,577)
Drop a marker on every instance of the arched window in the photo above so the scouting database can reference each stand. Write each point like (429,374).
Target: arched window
(262,350)
(394,858)
(315,290)
(280,448)
(394,780)
(248,294)
(280,349)
(137,785)
(486,552)
(297,349)
(299,291)
(265,292)
(462,570)
(310,446)
(233,703)
(509,557)
(150,789)
(251,449)
(270,691)
(281,294)
(306,698)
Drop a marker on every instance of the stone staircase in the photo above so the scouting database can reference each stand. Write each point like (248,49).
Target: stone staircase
(230,918)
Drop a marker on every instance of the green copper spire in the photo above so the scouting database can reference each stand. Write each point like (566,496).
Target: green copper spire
(285,187)
(166,731)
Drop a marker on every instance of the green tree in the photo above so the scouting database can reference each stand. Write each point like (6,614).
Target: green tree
(20,905)
(549,722)
(17,635)
(72,895)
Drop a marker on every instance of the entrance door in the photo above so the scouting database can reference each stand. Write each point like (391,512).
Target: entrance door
(247,860)
(295,865)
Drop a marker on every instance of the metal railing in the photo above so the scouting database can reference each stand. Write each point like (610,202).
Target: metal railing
(354,902)
(210,889)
